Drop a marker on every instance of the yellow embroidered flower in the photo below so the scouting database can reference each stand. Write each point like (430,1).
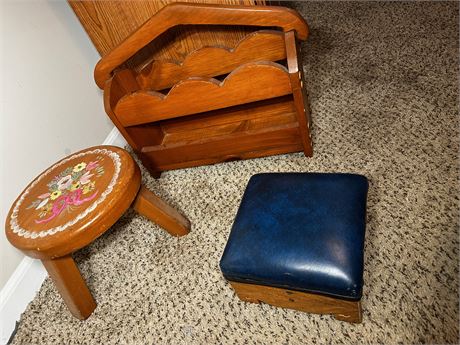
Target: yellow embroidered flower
(75,185)
(79,167)
(56,194)
(88,187)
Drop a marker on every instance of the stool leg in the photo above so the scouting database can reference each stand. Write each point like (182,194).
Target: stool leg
(70,284)
(155,209)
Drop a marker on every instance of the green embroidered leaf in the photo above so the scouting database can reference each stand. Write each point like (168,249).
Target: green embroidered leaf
(66,172)
(100,171)
(77,175)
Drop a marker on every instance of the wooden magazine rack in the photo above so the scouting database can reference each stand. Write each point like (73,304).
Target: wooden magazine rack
(220,103)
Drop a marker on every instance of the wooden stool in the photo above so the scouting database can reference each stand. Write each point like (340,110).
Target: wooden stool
(74,202)
(298,242)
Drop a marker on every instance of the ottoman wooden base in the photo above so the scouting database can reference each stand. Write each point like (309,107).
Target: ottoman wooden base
(341,309)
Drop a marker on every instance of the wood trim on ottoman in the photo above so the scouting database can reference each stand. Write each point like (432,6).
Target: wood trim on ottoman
(341,309)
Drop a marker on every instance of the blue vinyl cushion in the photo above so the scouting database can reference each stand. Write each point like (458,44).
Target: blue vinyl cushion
(301,231)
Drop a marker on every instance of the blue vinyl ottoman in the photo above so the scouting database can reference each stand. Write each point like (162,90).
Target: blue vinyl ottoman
(298,241)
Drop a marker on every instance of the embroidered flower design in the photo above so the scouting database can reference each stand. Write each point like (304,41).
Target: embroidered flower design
(91,165)
(64,182)
(72,187)
(56,194)
(86,178)
(75,185)
(88,187)
(79,167)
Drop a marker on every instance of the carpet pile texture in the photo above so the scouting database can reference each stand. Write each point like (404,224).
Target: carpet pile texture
(382,78)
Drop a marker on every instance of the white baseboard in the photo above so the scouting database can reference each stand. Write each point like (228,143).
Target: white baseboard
(17,293)
(115,138)
(28,277)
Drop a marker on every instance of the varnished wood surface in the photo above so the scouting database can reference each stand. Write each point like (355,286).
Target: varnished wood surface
(71,286)
(282,139)
(341,309)
(248,83)
(83,213)
(210,61)
(216,109)
(227,149)
(266,128)
(298,91)
(71,204)
(113,92)
(197,14)
(135,136)
(108,23)
(202,125)
(212,127)
(155,209)
(87,229)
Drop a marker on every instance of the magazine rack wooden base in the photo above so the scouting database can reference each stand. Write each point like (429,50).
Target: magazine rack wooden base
(218,104)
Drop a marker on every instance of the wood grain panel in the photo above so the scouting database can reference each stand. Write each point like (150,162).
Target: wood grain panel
(269,151)
(264,128)
(197,14)
(211,61)
(229,120)
(276,140)
(197,95)
(229,128)
(191,48)
(298,91)
(342,309)
(113,91)
(108,23)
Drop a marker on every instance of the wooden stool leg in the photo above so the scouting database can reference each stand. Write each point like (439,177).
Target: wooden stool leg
(70,284)
(155,209)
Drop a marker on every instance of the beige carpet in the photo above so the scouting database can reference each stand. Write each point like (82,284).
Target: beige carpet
(382,79)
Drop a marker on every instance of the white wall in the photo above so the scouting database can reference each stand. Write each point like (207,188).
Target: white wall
(49,105)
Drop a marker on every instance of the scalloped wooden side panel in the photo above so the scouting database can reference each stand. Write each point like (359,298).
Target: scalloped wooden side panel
(248,83)
(263,45)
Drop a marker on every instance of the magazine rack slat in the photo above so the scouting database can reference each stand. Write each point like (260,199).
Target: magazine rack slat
(220,103)
(263,45)
(250,82)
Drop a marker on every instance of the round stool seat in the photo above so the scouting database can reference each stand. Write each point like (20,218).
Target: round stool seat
(75,201)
